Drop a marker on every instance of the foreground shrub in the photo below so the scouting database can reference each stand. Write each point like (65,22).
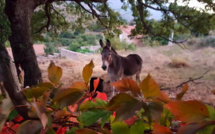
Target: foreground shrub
(138,108)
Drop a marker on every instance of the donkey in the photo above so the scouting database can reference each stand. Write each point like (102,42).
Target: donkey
(119,67)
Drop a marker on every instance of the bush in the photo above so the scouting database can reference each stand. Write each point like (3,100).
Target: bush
(83,50)
(74,46)
(67,34)
(149,42)
(119,45)
(51,48)
(202,42)
(65,41)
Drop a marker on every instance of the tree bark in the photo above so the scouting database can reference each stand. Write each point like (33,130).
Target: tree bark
(19,13)
(11,84)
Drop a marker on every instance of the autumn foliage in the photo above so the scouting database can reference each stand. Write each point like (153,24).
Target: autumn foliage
(138,108)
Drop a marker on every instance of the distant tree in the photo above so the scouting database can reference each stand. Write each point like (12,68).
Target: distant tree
(181,19)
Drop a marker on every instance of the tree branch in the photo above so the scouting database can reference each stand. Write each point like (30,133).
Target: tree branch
(97,16)
(79,3)
(190,80)
(48,14)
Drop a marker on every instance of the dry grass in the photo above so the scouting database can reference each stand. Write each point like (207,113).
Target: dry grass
(156,62)
(178,63)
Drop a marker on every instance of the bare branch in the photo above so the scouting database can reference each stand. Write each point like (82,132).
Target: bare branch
(190,80)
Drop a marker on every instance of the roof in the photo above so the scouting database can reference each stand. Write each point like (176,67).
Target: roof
(127,29)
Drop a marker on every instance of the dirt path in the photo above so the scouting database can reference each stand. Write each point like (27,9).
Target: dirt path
(157,63)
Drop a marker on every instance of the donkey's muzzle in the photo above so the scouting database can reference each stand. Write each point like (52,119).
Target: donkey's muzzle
(104,67)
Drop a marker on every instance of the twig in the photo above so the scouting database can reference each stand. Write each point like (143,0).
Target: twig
(190,80)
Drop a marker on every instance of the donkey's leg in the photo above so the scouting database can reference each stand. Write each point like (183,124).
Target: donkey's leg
(138,77)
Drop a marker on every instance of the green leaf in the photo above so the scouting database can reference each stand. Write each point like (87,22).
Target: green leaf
(90,104)
(207,130)
(124,105)
(72,130)
(192,128)
(12,114)
(87,71)
(149,87)
(154,110)
(29,127)
(54,72)
(68,97)
(38,90)
(89,117)
(211,111)
(119,128)
(137,127)
(50,131)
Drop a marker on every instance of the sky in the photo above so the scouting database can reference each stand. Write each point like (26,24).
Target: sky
(116,4)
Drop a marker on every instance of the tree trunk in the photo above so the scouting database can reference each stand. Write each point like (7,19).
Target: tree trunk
(19,13)
(11,84)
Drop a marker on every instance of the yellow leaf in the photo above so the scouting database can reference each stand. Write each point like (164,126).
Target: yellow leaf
(184,90)
(87,71)
(163,97)
(188,111)
(127,85)
(79,85)
(149,87)
(54,73)
(61,114)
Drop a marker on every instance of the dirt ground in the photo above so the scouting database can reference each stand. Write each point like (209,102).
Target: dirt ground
(156,61)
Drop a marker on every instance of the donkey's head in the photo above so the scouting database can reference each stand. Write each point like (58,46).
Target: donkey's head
(106,53)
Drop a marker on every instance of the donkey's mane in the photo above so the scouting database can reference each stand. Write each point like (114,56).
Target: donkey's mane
(111,49)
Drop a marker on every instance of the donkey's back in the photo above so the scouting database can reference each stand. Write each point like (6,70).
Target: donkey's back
(132,64)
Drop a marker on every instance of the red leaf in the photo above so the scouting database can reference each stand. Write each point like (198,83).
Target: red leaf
(163,97)
(184,90)
(73,108)
(188,111)
(158,129)
(61,130)
(131,120)
(127,85)
(96,83)
(102,96)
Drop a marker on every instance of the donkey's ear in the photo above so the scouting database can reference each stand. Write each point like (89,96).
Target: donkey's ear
(108,44)
(101,43)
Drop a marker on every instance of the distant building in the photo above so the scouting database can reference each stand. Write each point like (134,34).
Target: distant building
(38,48)
(126,31)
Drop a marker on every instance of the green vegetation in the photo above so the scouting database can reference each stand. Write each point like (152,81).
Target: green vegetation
(4,25)
(202,42)
(51,48)
(72,40)
(120,45)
